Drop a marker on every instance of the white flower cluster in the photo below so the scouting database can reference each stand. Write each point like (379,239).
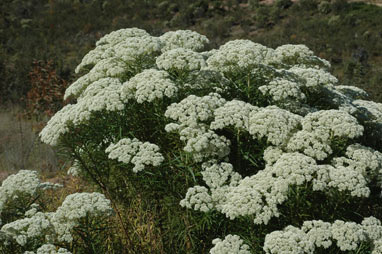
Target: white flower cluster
(180,59)
(365,159)
(276,124)
(334,122)
(49,249)
(282,89)
(299,55)
(104,94)
(107,68)
(118,36)
(27,229)
(371,109)
(37,226)
(232,244)
(316,233)
(183,39)
(194,110)
(239,56)
(218,177)
(233,113)
(25,182)
(314,79)
(292,51)
(272,154)
(134,48)
(205,144)
(348,179)
(352,173)
(106,43)
(75,169)
(134,151)
(57,126)
(290,240)
(149,85)
(256,195)
(192,115)
(260,194)
(76,207)
(355,93)
(318,130)
(92,58)
(114,56)
(197,198)
(310,143)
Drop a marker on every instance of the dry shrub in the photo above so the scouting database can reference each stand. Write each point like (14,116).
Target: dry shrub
(46,91)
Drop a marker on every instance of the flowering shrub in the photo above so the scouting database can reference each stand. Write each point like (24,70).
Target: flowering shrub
(247,139)
(30,229)
(18,194)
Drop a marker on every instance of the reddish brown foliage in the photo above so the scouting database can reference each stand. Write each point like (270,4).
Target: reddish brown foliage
(47,90)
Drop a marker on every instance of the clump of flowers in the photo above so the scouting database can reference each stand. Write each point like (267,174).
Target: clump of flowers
(314,234)
(135,152)
(49,249)
(180,60)
(149,85)
(36,231)
(244,130)
(239,56)
(18,193)
(186,39)
(231,244)
(75,208)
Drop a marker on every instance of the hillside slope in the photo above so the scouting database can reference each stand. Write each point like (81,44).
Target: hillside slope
(63,31)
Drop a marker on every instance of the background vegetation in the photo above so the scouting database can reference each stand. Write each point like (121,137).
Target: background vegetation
(61,32)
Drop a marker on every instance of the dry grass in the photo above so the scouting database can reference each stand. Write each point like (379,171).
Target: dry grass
(20,147)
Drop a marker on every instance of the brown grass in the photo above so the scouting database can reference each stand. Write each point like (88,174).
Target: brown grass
(20,147)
